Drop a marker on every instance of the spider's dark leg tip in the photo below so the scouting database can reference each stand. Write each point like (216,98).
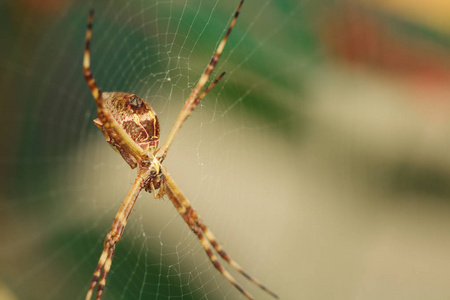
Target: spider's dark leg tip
(90,19)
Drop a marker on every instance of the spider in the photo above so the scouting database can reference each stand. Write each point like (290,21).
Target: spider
(131,127)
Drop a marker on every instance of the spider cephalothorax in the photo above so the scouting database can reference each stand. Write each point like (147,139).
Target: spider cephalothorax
(137,118)
(131,127)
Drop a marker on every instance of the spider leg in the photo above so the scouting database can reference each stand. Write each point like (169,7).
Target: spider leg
(162,187)
(199,98)
(199,228)
(97,273)
(209,235)
(114,235)
(110,124)
(161,191)
(106,268)
(216,263)
(194,98)
(103,267)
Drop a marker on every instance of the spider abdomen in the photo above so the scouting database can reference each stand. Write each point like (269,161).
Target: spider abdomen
(136,117)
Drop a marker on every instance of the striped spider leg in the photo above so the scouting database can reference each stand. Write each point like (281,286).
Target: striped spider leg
(199,228)
(131,127)
(194,99)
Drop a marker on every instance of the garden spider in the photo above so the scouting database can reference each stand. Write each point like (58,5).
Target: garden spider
(131,127)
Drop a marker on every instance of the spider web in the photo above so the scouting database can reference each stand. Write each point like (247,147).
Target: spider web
(64,185)
(343,196)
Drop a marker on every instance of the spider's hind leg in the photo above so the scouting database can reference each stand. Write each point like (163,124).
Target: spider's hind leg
(206,237)
(209,235)
(216,263)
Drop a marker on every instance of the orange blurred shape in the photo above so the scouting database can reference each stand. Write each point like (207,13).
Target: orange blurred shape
(44,7)
(358,38)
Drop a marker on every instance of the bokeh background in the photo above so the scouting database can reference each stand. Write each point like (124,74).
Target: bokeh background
(321,161)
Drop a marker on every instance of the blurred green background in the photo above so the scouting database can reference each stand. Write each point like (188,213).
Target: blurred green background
(320,162)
